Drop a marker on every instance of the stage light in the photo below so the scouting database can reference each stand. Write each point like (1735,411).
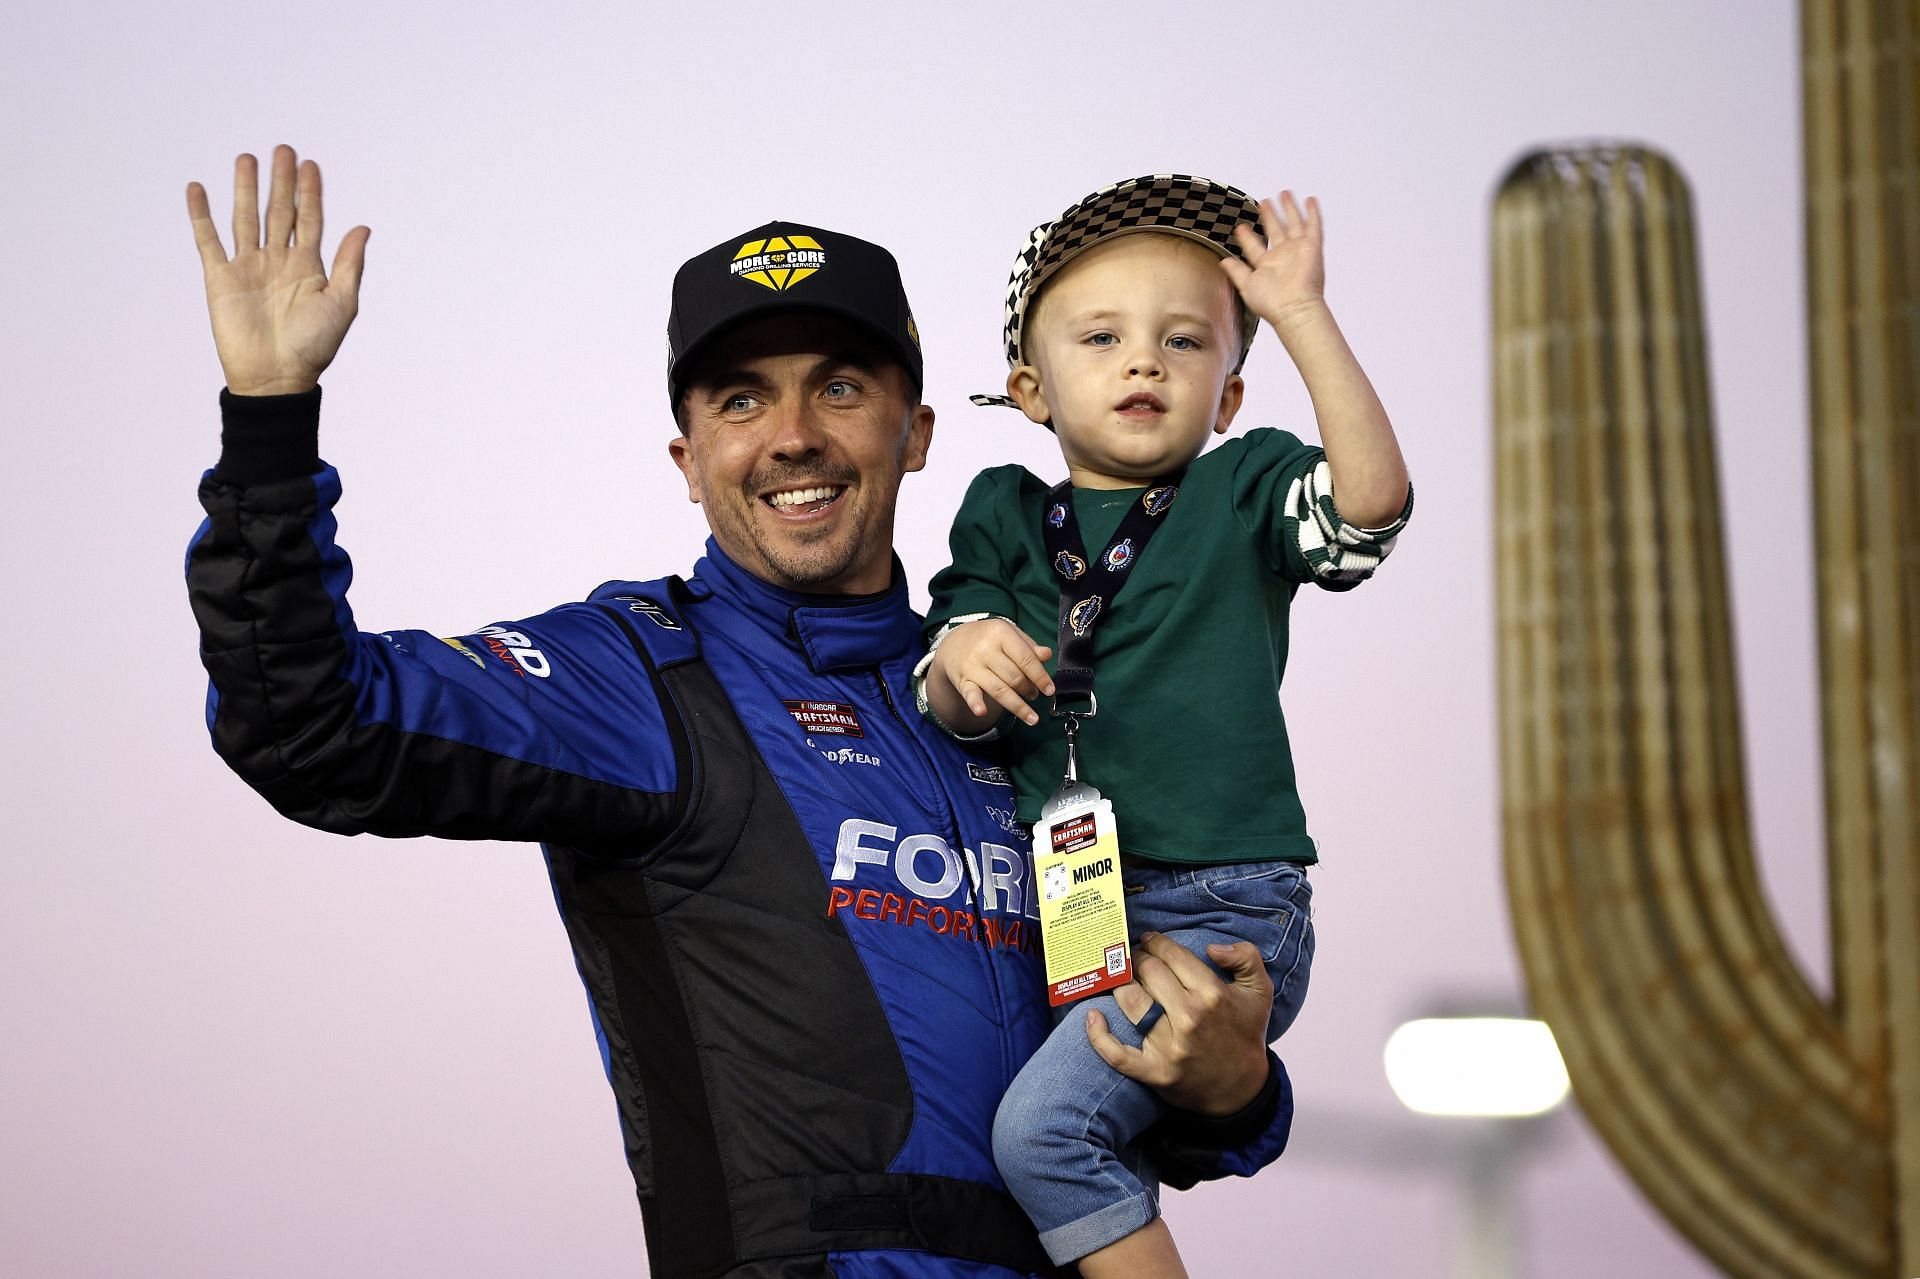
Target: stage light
(1490,1066)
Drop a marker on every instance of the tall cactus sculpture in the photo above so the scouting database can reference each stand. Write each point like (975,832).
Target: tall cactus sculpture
(1779,1130)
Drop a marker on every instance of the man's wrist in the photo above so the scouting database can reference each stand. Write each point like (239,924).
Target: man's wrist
(264,438)
(1251,1116)
(271,386)
(1252,1081)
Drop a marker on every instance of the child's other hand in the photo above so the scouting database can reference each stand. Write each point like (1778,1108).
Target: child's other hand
(994,660)
(1284,278)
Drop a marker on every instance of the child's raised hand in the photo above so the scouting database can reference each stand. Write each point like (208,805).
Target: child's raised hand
(993,660)
(1287,274)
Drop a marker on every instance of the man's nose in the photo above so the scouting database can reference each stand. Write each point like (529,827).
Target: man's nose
(799,431)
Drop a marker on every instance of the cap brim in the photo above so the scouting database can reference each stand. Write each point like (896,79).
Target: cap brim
(1042,274)
(689,361)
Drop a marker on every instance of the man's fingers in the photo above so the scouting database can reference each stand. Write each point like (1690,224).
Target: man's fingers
(1176,977)
(1158,979)
(308,218)
(1242,959)
(1189,967)
(1125,1058)
(1134,1001)
(280,199)
(205,238)
(246,204)
(348,262)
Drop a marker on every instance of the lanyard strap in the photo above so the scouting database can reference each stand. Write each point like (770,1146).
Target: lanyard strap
(1087,589)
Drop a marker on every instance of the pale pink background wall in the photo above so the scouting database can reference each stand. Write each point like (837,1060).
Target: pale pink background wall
(230,1046)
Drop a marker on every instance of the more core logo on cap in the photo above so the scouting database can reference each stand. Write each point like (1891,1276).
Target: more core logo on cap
(779,263)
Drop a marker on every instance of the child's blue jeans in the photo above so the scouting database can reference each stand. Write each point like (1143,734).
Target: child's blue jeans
(1063,1137)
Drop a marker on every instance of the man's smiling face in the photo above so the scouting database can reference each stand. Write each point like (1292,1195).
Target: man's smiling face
(797,433)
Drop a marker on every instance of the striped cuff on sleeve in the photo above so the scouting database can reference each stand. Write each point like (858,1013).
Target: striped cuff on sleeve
(1338,553)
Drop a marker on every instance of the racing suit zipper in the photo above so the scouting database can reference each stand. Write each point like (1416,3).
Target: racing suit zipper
(975,889)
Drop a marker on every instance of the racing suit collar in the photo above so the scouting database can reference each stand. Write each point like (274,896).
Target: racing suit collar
(835,632)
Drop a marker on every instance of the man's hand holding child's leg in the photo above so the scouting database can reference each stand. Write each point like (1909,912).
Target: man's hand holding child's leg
(983,668)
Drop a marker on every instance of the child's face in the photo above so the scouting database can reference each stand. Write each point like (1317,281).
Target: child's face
(1133,346)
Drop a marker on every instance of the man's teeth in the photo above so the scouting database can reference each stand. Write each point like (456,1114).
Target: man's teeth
(795,497)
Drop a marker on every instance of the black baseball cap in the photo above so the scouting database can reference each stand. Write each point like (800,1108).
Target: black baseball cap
(779,269)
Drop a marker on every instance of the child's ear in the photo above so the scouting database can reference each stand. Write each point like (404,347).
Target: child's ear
(1024,389)
(1230,397)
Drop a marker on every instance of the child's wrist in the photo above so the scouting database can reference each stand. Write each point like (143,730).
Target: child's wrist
(1298,317)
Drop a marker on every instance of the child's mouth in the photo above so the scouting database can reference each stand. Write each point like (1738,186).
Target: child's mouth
(1142,404)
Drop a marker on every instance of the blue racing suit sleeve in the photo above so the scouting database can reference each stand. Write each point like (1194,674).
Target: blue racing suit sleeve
(520,731)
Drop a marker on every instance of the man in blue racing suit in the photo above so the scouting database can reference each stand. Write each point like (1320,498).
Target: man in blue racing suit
(726,774)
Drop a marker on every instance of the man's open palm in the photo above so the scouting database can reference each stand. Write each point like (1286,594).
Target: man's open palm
(277,318)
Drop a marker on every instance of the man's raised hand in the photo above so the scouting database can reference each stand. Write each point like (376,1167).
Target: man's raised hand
(277,318)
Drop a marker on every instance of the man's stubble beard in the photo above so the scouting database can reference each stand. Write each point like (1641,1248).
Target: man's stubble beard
(815,564)
(813,567)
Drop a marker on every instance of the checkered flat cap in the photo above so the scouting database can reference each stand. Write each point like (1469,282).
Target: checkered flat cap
(1173,203)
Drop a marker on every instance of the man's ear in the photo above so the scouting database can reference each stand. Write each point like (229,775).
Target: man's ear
(1231,396)
(919,437)
(1023,387)
(681,451)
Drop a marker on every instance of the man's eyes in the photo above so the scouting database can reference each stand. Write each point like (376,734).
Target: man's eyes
(739,402)
(840,389)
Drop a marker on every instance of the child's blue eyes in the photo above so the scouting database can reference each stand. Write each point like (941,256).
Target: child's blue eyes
(1179,341)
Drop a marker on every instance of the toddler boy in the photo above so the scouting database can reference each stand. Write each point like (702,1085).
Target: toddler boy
(1128,319)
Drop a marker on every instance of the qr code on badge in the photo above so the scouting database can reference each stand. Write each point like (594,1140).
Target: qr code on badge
(1056,882)
(1116,960)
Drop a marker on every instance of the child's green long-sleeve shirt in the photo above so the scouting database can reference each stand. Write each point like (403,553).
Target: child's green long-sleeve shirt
(1190,742)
